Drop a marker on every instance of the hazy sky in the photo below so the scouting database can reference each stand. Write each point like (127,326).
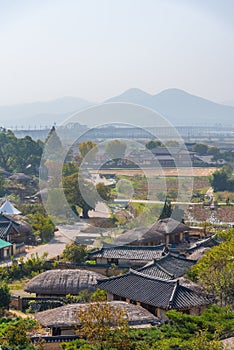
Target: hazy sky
(98,48)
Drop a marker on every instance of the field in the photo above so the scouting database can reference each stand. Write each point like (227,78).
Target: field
(165,172)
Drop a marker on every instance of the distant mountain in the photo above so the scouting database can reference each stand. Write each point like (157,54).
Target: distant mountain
(180,107)
(41,113)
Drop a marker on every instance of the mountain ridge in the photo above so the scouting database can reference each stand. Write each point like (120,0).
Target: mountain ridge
(178,106)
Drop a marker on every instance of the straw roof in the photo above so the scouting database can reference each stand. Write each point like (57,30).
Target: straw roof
(62,282)
(168,226)
(66,316)
(20,177)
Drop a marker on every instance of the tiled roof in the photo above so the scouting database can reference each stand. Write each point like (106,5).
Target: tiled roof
(129,253)
(168,267)
(159,293)
(4,229)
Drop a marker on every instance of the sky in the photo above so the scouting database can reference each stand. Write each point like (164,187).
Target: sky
(96,49)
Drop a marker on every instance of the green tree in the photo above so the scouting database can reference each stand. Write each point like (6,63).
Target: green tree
(2,189)
(5,296)
(70,168)
(167,210)
(153,144)
(116,149)
(81,193)
(75,252)
(53,146)
(215,270)
(102,323)
(104,191)
(42,226)
(87,147)
(201,149)
(222,180)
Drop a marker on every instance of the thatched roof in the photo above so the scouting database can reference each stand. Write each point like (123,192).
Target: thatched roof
(156,232)
(138,235)
(20,177)
(62,282)
(66,316)
(168,226)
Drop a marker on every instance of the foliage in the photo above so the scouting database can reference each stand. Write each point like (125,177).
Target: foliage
(222,180)
(20,269)
(42,226)
(69,168)
(4,295)
(14,333)
(182,332)
(53,146)
(88,148)
(2,182)
(75,252)
(116,149)
(80,192)
(200,148)
(104,191)
(102,323)
(167,210)
(19,155)
(153,144)
(215,270)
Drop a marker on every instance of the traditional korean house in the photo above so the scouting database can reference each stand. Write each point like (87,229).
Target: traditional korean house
(8,228)
(63,320)
(172,230)
(168,267)
(126,255)
(154,294)
(165,231)
(62,282)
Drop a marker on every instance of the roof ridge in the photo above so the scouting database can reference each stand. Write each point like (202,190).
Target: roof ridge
(181,257)
(135,272)
(173,294)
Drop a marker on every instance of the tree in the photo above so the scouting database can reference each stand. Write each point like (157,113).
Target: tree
(221,180)
(153,144)
(17,337)
(53,146)
(103,323)
(116,149)
(5,296)
(80,192)
(87,147)
(104,191)
(19,155)
(201,149)
(215,270)
(70,168)
(75,252)
(42,226)
(166,211)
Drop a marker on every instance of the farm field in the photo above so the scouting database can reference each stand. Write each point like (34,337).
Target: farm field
(149,172)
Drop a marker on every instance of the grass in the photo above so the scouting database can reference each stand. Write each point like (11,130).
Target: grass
(18,284)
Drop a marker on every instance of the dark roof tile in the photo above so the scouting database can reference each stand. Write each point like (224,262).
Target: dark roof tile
(159,293)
